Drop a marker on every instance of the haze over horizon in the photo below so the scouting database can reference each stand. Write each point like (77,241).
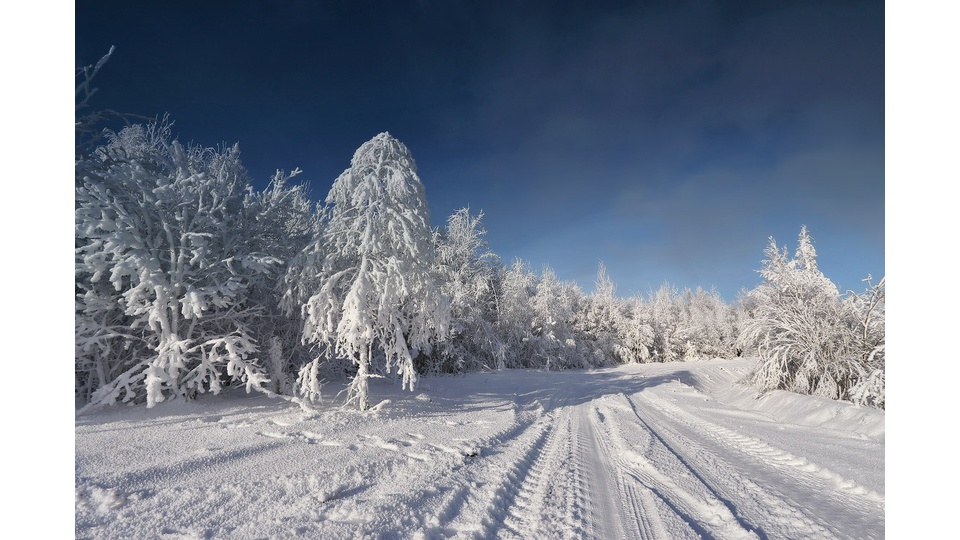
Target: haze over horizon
(667,140)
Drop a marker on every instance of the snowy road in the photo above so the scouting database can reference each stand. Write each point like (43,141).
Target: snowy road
(652,451)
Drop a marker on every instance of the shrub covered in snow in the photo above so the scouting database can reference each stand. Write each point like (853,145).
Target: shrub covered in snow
(174,268)
(811,339)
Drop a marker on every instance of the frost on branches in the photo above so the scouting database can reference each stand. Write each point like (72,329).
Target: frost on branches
(603,323)
(466,271)
(171,251)
(372,297)
(540,320)
(811,339)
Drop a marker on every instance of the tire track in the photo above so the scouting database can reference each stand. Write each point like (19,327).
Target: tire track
(473,500)
(799,507)
(553,503)
(505,496)
(495,501)
(621,512)
(764,452)
(683,491)
(531,488)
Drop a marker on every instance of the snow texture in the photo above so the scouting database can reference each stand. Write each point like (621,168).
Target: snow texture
(667,450)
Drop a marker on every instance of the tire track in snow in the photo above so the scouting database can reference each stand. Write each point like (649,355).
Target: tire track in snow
(459,499)
(498,507)
(553,501)
(616,509)
(576,502)
(766,453)
(542,493)
(574,487)
(779,514)
(524,515)
(567,477)
(687,495)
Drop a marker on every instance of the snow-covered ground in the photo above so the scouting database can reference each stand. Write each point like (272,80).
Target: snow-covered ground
(641,451)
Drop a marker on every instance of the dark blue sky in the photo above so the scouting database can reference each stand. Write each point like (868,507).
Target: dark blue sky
(666,139)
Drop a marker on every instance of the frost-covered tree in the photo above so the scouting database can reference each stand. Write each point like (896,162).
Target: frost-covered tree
(664,317)
(552,343)
(636,334)
(515,313)
(372,296)
(706,325)
(868,310)
(170,249)
(282,222)
(602,322)
(466,270)
(810,339)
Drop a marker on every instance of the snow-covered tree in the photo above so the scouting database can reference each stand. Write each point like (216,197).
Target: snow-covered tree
(282,222)
(552,343)
(706,325)
(636,334)
(868,310)
(169,250)
(372,296)
(467,272)
(664,317)
(602,322)
(810,339)
(515,313)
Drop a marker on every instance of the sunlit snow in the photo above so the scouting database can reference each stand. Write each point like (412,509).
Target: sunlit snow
(674,450)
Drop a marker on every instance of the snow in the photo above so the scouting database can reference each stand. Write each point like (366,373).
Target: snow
(674,450)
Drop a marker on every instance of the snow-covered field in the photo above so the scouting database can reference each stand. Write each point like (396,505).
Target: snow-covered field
(640,451)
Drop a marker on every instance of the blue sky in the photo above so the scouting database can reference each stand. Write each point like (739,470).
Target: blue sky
(667,139)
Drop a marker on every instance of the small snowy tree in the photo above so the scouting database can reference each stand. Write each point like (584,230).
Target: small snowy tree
(515,316)
(602,321)
(706,324)
(552,343)
(467,272)
(868,310)
(664,317)
(373,294)
(281,222)
(636,333)
(810,339)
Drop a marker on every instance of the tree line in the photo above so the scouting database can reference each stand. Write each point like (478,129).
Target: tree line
(188,280)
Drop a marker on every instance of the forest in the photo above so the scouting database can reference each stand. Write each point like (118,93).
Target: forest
(188,281)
